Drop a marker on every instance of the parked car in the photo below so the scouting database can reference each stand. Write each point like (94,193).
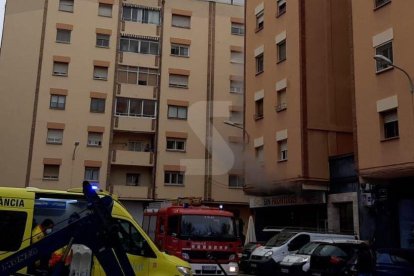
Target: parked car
(265,259)
(342,257)
(265,234)
(394,261)
(298,263)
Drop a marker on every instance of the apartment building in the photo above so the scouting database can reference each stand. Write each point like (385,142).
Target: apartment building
(298,116)
(131,95)
(384,128)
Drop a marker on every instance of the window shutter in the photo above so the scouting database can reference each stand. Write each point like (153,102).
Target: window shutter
(390,117)
(181,21)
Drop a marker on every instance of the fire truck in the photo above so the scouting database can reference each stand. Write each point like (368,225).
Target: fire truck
(206,237)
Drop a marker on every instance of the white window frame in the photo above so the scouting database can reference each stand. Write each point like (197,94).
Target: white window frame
(60,69)
(63,36)
(182,50)
(174,174)
(100,73)
(66,5)
(92,174)
(102,40)
(281,51)
(137,146)
(137,73)
(173,144)
(259,104)
(260,20)
(141,15)
(57,102)
(259,63)
(105,10)
(174,112)
(143,46)
(132,179)
(140,103)
(51,172)
(386,50)
(178,81)
(390,120)
(238,179)
(237,28)
(281,100)
(236,86)
(54,136)
(95,139)
(181,21)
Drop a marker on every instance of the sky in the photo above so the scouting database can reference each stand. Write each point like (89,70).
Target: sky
(2,3)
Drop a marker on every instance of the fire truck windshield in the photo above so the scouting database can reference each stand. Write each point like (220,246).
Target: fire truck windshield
(208,228)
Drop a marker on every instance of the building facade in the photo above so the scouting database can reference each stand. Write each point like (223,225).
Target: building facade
(129,94)
(298,113)
(384,126)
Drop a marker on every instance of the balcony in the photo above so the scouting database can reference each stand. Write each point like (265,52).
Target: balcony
(137,91)
(134,124)
(137,59)
(132,192)
(140,28)
(132,158)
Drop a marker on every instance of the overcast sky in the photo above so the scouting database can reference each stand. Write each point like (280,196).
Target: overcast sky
(2,3)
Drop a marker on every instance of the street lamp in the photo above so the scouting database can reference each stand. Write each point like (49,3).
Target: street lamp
(240,126)
(385,60)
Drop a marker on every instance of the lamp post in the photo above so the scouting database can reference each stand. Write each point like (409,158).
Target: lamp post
(385,60)
(240,126)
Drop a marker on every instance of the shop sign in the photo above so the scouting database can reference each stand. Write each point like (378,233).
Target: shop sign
(287,200)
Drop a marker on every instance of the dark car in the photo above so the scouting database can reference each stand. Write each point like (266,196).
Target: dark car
(297,264)
(342,257)
(394,261)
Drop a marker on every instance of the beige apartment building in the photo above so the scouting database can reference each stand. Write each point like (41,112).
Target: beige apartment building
(384,126)
(132,95)
(298,116)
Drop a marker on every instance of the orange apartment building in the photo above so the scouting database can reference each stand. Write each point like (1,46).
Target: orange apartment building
(132,95)
(384,125)
(298,114)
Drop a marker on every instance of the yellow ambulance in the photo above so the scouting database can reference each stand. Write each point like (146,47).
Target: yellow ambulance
(22,209)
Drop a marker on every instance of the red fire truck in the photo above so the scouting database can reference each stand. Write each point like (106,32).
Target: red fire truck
(206,237)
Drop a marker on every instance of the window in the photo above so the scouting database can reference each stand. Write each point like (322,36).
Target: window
(12,227)
(132,179)
(178,81)
(346,218)
(283,150)
(105,10)
(139,146)
(236,117)
(94,139)
(237,29)
(258,109)
(181,21)
(236,57)
(60,69)
(259,153)
(281,7)
(54,136)
(173,178)
(236,181)
(390,122)
(132,241)
(100,73)
(386,51)
(259,64)
(51,172)
(92,173)
(180,50)
(177,112)
(380,3)
(281,100)
(102,40)
(236,86)
(175,144)
(142,46)
(137,75)
(259,21)
(57,102)
(66,5)
(135,107)
(141,15)
(281,51)
(97,105)
(63,36)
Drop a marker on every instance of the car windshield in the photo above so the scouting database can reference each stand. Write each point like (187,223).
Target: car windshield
(280,239)
(207,227)
(307,249)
